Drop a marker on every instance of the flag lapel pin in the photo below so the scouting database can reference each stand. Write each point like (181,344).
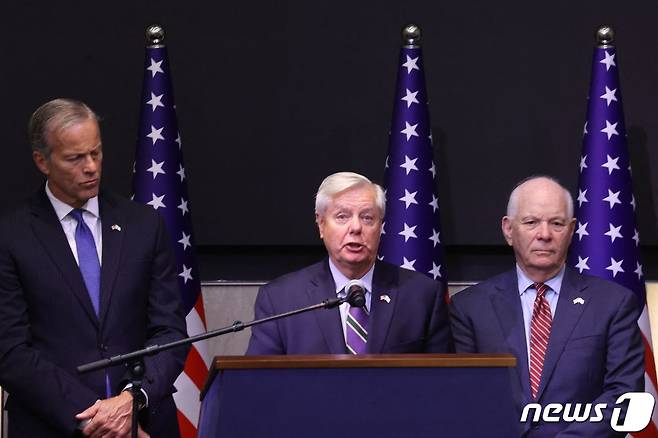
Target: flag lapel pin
(115,227)
(578,300)
(385,298)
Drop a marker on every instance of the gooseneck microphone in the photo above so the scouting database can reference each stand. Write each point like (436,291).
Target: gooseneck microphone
(356,293)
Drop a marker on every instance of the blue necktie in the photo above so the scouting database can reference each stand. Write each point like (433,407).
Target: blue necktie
(90,267)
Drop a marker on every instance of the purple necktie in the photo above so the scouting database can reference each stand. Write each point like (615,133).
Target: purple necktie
(90,268)
(356,327)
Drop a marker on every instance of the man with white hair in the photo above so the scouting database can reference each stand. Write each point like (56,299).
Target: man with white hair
(405,312)
(575,337)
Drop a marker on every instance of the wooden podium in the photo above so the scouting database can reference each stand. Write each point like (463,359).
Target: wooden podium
(411,395)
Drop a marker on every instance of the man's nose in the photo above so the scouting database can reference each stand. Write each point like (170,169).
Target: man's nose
(90,165)
(355,225)
(544,231)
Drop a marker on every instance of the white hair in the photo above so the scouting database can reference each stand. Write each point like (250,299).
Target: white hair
(513,203)
(341,182)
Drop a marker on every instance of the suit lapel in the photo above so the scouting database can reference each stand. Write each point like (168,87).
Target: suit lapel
(384,282)
(507,306)
(566,317)
(320,288)
(49,232)
(112,223)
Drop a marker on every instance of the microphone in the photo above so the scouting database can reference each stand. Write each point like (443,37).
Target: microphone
(356,293)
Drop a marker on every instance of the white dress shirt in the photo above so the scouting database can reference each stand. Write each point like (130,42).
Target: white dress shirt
(341,281)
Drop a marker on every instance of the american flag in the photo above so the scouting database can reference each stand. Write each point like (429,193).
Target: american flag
(159,180)
(411,234)
(606,243)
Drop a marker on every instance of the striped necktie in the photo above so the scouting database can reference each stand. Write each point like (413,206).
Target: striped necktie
(356,328)
(540,330)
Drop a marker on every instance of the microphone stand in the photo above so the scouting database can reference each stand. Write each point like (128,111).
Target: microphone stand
(135,359)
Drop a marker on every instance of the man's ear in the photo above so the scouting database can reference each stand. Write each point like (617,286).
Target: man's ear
(506,226)
(320,221)
(41,162)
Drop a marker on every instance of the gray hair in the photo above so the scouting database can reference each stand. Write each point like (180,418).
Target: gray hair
(342,181)
(513,203)
(54,116)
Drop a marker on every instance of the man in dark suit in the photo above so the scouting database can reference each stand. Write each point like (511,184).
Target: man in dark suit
(405,311)
(83,276)
(575,337)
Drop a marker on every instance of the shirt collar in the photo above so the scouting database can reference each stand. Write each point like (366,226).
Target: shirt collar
(524,282)
(62,209)
(341,280)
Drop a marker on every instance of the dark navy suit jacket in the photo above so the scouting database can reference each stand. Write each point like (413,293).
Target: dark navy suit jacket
(48,325)
(413,320)
(595,350)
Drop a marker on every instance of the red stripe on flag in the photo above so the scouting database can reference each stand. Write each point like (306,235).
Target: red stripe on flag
(648,432)
(195,368)
(187,429)
(649,364)
(198,305)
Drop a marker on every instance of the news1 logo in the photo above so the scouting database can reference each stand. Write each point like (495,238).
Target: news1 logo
(638,414)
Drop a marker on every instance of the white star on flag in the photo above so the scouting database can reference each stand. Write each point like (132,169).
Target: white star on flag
(155,101)
(410,97)
(178,140)
(581,197)
(411,64)
(183,206)
(433,170)
(612,198)
(609,60)
(409,164)
(633,201)
(611,164)
(409,130)
(408,264)
(156,168)
(181,172)
(435,237)
(186,274)
(610,129)
(156,134)
(585,129)
(638,270)
(185,241)
(155,67)
(615,267)
(157,202)
(408,232)
(383,231)
(583,164)
(582,230)
(582,264)
(636,238)
(614,233)
(435,203)
(609,95)
(408,198)
(435,271)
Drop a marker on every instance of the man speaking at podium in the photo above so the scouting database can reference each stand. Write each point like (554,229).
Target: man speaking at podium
(404,312)
(83,276)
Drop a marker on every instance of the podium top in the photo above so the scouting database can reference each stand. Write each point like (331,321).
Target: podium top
(364,361)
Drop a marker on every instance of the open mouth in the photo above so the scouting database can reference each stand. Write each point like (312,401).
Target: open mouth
(354,246)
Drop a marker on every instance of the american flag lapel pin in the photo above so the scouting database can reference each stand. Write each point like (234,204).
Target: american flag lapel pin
(385,298)
(578,300)
(115,227)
